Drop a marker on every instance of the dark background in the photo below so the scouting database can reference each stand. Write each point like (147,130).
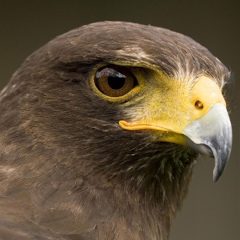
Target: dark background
(211,210)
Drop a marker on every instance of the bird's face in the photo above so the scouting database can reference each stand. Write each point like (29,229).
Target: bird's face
(117,92)
(185,112)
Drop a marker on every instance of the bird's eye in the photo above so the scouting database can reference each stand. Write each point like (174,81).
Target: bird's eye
(115,81)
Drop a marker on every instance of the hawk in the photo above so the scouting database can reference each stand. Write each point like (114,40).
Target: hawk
(100,130)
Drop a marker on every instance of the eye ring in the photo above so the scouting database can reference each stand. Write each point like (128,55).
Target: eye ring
(115,81)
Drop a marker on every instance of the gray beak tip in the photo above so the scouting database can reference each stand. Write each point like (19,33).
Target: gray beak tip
(216,174)
(221,160)
(211,135)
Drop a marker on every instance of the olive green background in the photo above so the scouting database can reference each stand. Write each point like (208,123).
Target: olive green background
(211,210)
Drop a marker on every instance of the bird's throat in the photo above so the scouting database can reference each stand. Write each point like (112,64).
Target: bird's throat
(150,190)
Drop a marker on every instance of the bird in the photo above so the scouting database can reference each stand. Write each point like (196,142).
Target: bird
(100,130)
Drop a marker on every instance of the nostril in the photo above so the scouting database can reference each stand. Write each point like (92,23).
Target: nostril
(199,104)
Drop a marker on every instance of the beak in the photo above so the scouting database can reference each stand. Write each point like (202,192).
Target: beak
(212,135)
(200,121)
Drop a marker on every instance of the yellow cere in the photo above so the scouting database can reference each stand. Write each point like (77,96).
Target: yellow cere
(170,105)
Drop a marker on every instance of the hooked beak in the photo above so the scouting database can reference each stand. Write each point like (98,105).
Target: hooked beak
(199,120)
(212,135)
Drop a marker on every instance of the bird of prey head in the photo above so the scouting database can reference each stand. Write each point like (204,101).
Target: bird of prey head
(100,129)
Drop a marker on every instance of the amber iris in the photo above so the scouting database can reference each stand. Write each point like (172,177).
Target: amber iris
(115,81)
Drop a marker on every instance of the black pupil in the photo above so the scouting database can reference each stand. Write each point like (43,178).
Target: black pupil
(116,82)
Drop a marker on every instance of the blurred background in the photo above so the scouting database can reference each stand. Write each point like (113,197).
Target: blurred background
(211,210)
